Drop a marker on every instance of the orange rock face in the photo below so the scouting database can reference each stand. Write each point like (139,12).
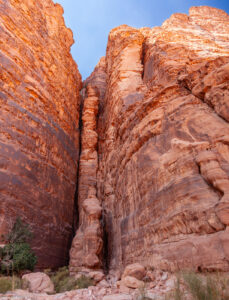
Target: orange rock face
(88,244)
(163,143)
(154,156)
(39,100)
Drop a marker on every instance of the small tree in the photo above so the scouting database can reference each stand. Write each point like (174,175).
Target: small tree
(17,255)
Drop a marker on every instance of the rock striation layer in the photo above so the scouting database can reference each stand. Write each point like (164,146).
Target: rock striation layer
(39,100)
(163,143)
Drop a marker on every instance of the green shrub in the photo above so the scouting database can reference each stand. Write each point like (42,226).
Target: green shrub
(64,282)
(84,282)
(17,255)
(6,284)
(23,257)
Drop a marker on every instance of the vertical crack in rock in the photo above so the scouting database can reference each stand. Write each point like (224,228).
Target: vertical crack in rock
(76,206)
(107,229)
(125,89)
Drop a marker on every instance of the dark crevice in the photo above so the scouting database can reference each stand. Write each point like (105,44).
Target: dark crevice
(107,245)
(143,59)
(76,207)
(75,223)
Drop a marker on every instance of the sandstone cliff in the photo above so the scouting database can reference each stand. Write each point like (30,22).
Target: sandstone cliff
(154,154)
(162,176)
(39,100)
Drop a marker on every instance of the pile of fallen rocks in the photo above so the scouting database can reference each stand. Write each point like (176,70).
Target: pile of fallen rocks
(134,282)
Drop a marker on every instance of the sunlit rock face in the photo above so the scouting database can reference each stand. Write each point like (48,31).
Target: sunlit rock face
(87,246)
(39,136)
(163,143)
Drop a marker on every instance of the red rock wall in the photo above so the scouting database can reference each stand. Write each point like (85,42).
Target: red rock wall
(163,143)
(39,99)
(87,246)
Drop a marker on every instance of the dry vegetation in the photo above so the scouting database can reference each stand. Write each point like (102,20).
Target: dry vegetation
(193,286)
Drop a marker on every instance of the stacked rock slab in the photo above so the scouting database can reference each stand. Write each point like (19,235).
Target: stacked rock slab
(163,143)
(87,245)
(39,136)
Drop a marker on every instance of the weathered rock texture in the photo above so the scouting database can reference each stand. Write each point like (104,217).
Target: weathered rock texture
(163,143)
(39,100)
(88,244)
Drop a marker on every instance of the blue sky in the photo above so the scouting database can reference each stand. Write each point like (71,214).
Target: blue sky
(91,21)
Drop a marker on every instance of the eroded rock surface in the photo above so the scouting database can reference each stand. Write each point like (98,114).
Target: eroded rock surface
(87,245)
(163,143)
(154,163)
(39,137)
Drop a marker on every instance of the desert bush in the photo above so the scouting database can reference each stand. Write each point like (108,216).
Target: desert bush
(64,282)
(201,289)
(6,284)
(177,293)
(84,282)
(195,286)
(17,255)
(60,280)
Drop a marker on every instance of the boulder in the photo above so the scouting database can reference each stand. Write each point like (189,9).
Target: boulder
(38,282)
(135,270)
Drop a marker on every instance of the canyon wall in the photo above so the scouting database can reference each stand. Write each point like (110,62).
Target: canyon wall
(154,155)
(162,176)
(39,135)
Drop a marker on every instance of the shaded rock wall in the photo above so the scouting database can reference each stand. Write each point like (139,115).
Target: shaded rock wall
(39,100)
(163,151)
